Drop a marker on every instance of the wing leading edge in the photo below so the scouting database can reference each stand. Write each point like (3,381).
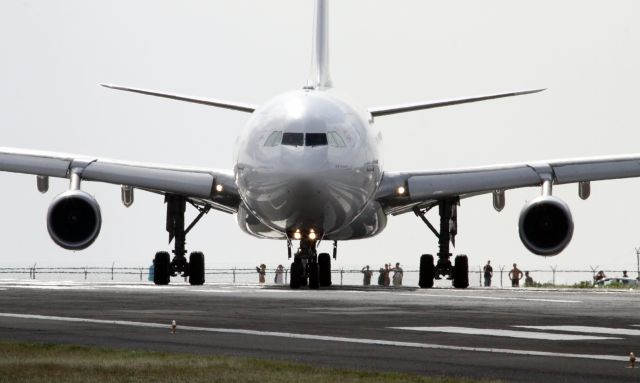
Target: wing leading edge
(423,188)
(197,184)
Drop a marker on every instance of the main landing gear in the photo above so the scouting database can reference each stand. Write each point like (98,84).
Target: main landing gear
(459,271)
(164,267)
(309,267)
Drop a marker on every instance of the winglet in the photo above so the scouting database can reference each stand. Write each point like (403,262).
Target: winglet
(204,101)
(387,110)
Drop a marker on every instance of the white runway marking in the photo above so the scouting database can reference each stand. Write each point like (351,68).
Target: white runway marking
(587,329)
(495,298)
(377,342)
(504,333)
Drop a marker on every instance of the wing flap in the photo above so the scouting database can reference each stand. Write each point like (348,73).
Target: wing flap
(193,184)
(452,184)
(34,162)
(595,170)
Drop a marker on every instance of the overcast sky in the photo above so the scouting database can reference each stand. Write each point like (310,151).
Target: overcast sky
(53,55)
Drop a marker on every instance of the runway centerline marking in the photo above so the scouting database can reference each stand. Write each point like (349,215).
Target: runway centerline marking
(377,342)
(494,298)
(587,329)
(505,333)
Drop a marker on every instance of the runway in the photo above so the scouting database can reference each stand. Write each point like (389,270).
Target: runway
(514,335)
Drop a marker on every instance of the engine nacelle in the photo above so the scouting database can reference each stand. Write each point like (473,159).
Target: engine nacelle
(546,225)
(74,220)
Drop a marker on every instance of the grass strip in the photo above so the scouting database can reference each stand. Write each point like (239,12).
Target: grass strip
(32,362)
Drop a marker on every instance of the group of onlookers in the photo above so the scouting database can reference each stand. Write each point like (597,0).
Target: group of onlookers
(279,274)
(515,275)
(384,279)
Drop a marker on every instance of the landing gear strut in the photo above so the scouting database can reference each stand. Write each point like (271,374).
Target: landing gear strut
(194,268)
(459,272)
(309,268)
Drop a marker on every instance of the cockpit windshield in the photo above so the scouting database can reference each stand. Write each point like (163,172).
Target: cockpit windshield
(274,139)
(293,139)
(315,139)
(332,139)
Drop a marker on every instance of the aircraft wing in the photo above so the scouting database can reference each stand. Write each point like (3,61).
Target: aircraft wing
(199,185)
(425,188)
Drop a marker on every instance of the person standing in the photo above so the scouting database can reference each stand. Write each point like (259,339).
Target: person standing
(515,275)
(381,277)
(397,275)
(366,279)
(280,275)
(488,274)
(528,280)
(387,270)
(262,271)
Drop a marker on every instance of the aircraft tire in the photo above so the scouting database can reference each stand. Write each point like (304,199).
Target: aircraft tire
(161,268)
(461,272)
(314,280)
(196,268)
(295,275)
(324,264)
(427,271)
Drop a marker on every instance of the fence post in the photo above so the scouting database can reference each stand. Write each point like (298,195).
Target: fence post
(112,265)
(480,275)
(341,274)
(234,275)
(286,276)
(34,270)
(553,268)
(501,272)
(141,274)
(85,273)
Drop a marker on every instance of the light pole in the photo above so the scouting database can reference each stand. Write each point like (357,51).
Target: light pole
(638,261)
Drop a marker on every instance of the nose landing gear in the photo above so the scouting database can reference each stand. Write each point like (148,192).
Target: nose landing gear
(309,268)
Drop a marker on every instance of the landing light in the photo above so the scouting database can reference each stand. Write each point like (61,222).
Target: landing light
(401,190)
(297,235)
(219,188)
(312,235)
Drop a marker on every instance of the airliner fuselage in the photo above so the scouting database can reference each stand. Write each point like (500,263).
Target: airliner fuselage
(308,161)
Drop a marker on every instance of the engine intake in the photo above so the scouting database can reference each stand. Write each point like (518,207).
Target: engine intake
(546,225)
(74,220)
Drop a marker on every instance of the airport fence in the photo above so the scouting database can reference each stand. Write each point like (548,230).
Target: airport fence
(340,276)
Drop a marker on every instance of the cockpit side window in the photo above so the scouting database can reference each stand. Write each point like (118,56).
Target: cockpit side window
(274,139)
(293,139)
(315,139)
(335,140)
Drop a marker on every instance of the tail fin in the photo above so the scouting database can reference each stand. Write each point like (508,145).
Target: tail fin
(319,77)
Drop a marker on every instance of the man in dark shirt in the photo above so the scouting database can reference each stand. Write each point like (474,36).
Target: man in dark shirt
(488,274)
(366,280)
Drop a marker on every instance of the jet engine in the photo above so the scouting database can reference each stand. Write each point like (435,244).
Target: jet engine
(546,225)
(74,220)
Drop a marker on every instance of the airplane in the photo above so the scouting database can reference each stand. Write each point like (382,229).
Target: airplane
(309,168)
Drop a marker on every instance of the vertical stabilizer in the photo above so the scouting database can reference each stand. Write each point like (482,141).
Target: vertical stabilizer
(320,77)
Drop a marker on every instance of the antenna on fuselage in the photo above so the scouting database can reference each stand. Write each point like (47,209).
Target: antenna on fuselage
(319,77)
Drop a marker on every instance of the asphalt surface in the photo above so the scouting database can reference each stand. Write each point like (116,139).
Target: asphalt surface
(477,333)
